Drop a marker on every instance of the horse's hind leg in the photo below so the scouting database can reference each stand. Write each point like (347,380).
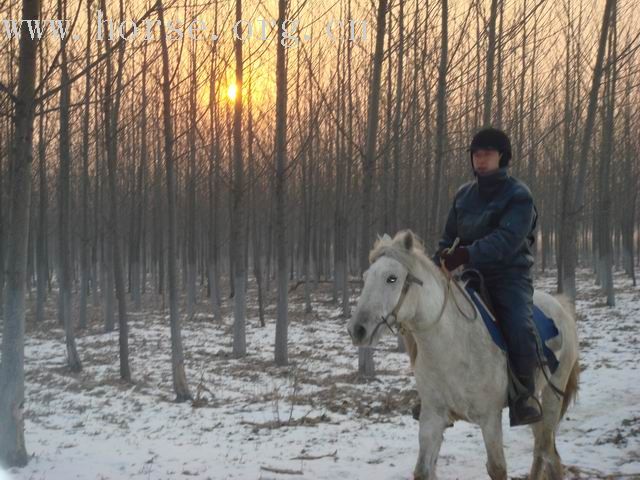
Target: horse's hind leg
(546,461)
(492,435)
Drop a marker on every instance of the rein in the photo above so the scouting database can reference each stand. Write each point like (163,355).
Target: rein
(410,279)
(450,280)
(449,277)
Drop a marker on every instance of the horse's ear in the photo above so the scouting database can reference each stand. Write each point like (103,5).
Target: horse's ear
(408,240)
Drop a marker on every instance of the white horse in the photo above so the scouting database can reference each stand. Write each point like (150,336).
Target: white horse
(461,374)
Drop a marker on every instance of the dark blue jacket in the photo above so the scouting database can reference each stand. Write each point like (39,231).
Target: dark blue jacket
(495,217)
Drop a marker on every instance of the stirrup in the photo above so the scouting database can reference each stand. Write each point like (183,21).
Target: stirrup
(531,415)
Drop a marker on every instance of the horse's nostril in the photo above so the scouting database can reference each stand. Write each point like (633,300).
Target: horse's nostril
(359,332)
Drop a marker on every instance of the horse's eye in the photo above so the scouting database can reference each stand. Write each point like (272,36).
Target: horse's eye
(392,279)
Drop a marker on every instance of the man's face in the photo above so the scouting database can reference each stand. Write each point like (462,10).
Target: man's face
(485,160)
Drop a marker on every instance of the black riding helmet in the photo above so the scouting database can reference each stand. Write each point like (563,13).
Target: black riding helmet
(492,139)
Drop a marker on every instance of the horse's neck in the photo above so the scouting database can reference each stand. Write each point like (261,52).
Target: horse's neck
(457,330)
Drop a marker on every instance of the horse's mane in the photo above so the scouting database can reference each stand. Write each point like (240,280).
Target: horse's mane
(406,251)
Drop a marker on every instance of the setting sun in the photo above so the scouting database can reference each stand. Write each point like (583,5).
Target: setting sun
(232,91)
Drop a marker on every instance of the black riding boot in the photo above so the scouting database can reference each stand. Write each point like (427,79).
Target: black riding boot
(524,407)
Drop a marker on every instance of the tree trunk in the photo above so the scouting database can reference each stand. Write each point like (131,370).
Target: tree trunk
(191,189)
(282,321)
(366,366)
(605,253)
(214,184)
(64,226)
(84,240)
(441,122)
(42,262)
(137,272)
(397,123)
(491,52)
(115,264)
(237,208)
(12,445)
(256,237)
(398,141)
(629,184)
(180,385)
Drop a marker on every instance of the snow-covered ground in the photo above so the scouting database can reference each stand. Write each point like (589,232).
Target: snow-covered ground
(314,417)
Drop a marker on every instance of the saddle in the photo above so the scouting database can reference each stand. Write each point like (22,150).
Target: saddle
(545,327)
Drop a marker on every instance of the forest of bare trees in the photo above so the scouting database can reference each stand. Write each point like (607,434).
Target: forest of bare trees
(175,173)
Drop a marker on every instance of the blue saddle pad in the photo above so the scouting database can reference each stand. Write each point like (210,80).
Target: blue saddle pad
(545,326)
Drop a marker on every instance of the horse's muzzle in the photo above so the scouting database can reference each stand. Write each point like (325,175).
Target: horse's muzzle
(358,334)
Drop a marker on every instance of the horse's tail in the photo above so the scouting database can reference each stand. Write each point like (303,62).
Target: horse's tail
(571,390)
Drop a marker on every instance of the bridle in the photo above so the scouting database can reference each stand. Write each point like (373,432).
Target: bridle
(408,281)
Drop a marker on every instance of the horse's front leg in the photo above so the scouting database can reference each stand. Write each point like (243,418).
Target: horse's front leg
(431,429)
(492,435)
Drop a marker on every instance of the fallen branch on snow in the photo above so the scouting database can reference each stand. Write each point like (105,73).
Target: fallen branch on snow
(281,470)
(304,421)
(315,457)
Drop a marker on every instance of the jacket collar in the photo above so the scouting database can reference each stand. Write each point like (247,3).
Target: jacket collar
(489,185)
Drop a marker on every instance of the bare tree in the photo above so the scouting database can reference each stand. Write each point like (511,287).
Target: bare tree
(191,187)
(256,228)
(64,226)
(180,385)
(42,257)
(84,239)
(237,220)
(111,111)
(441,119)
(629,186)
(12,445)
(488,92)
(607,156)
(282,320)
(366,365)
(397,122)
(214,182)
(575,204)
(137,215)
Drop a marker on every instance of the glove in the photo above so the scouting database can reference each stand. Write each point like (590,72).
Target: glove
(436,256)
(458,257)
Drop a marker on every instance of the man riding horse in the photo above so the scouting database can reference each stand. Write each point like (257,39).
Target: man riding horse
(494,217)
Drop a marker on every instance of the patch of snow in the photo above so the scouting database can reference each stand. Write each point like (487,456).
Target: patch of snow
(254,414)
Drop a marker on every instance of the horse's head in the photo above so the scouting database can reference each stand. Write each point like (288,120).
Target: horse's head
(382,303)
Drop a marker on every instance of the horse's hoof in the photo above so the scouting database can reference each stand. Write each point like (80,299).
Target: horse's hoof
(415,411)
